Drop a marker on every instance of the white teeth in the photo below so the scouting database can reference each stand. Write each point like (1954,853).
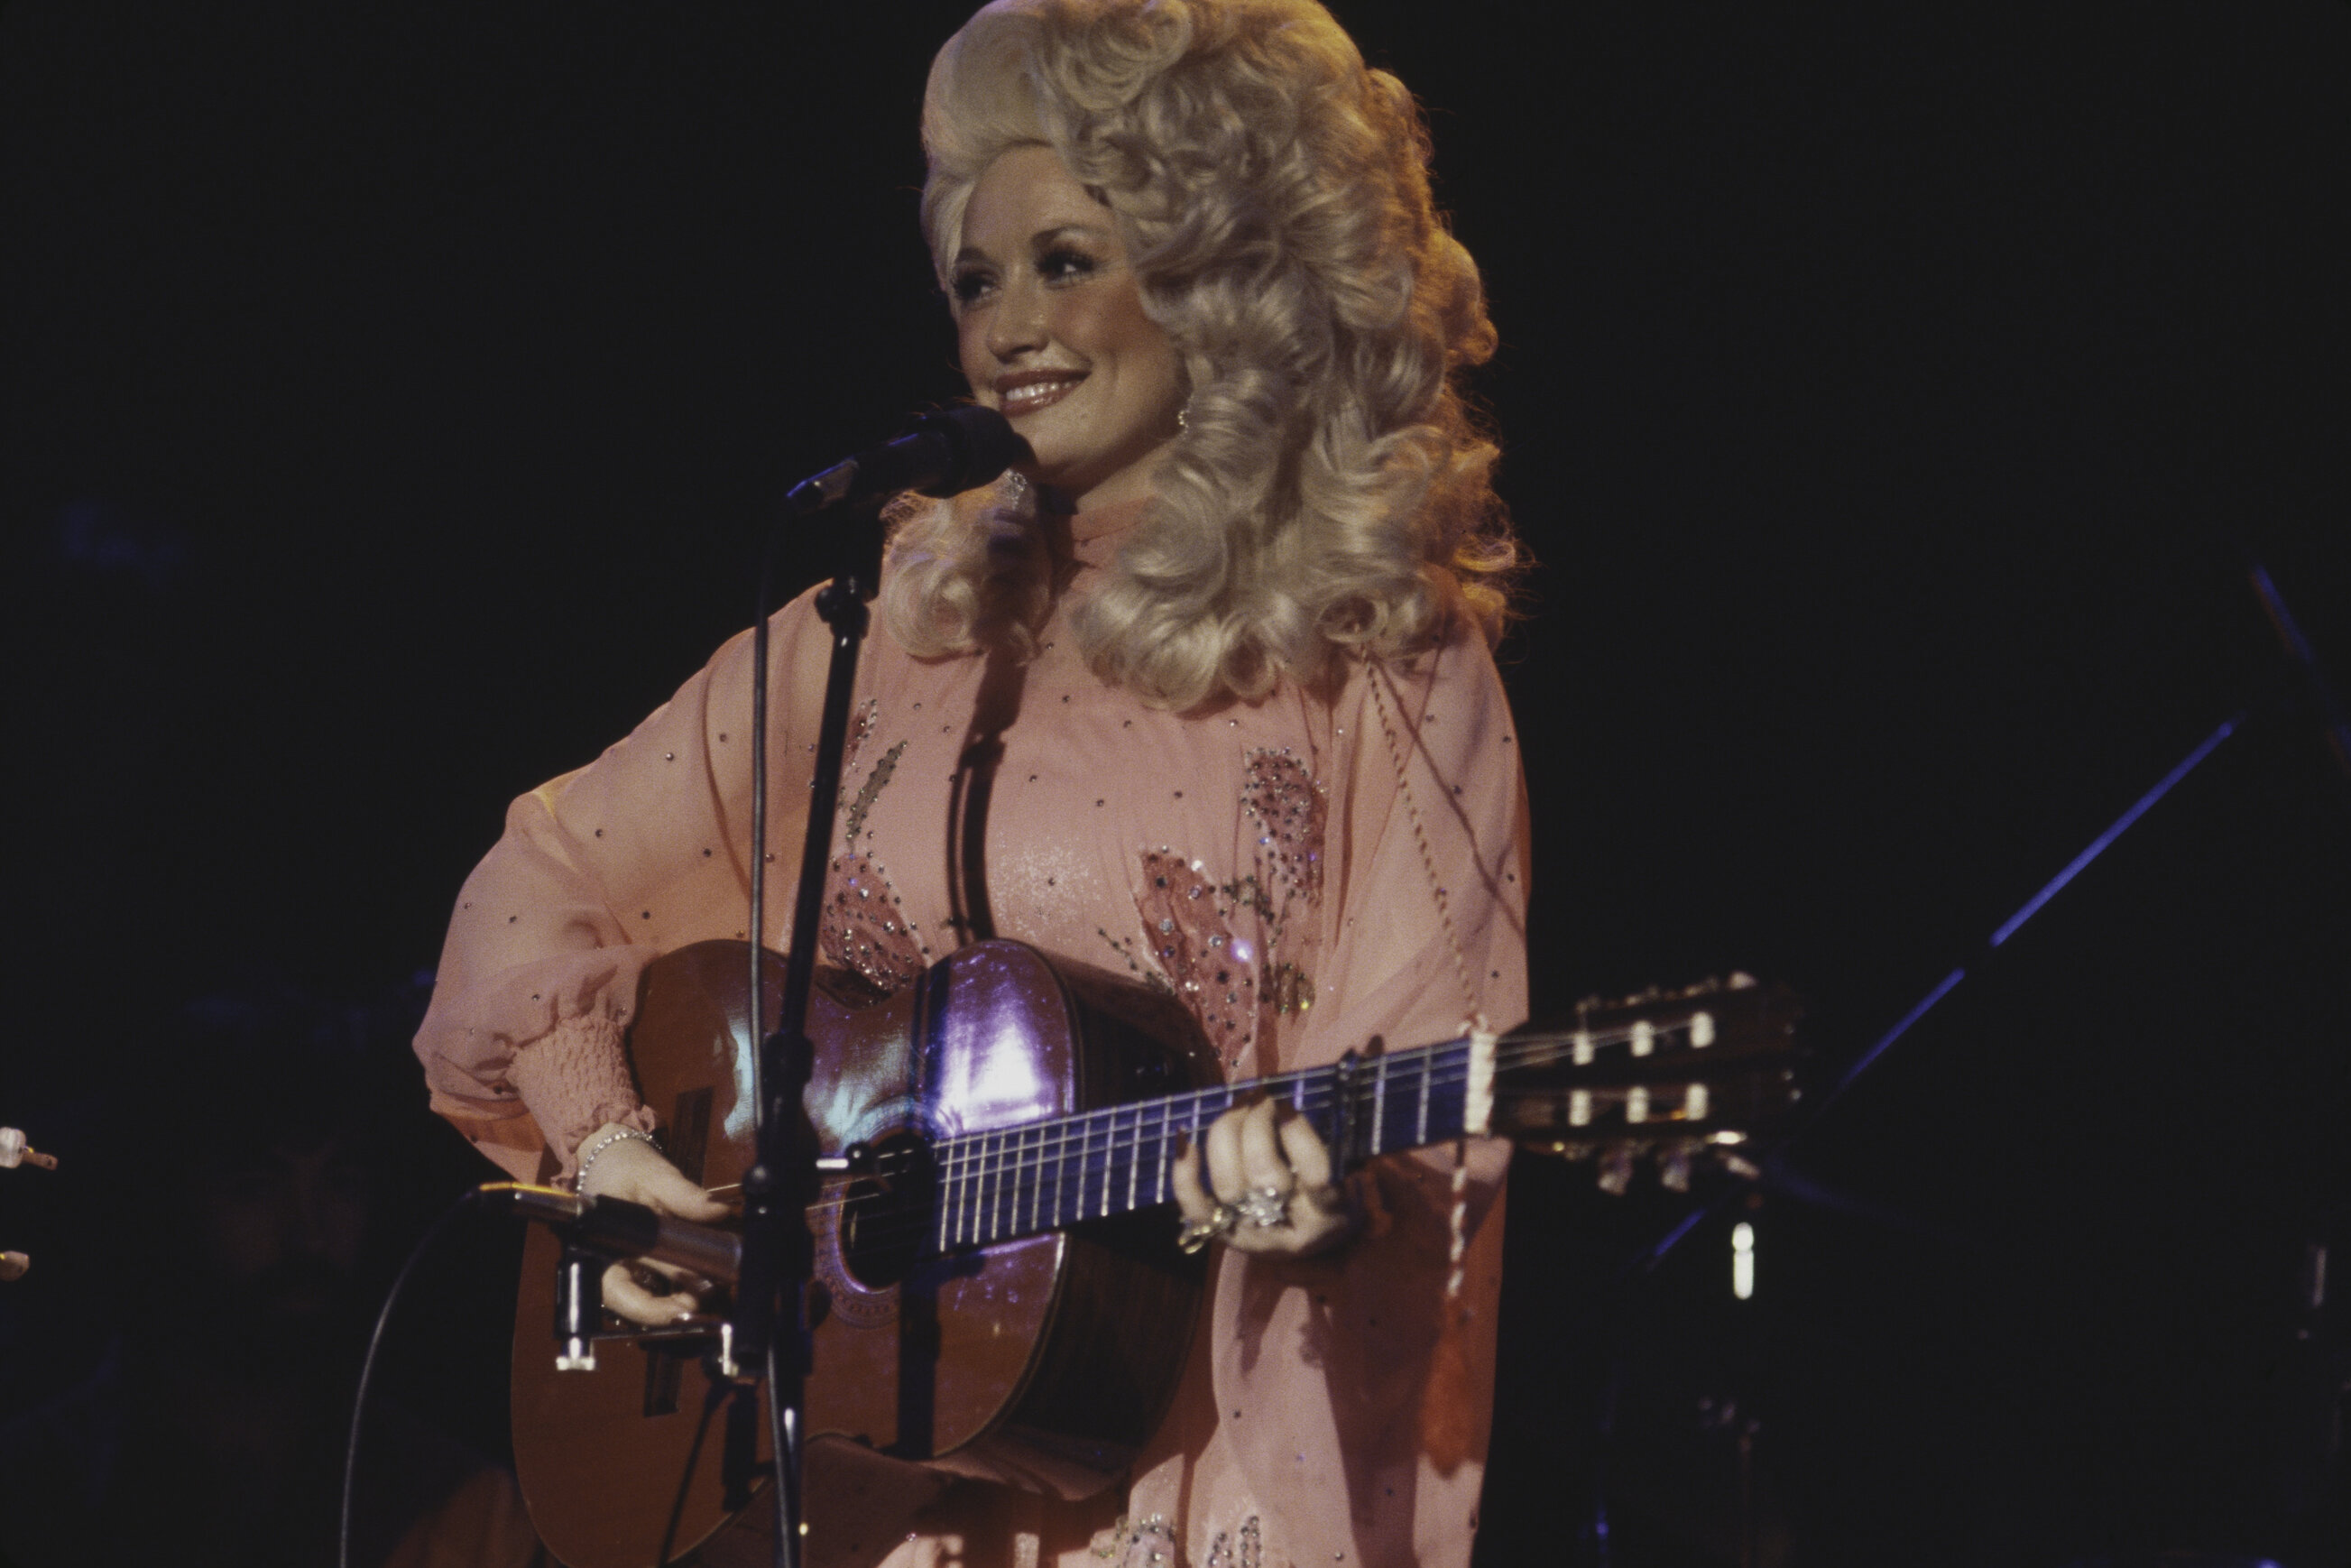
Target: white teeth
(1037,392)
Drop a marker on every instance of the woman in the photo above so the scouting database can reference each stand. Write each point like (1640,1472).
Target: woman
(1217,663)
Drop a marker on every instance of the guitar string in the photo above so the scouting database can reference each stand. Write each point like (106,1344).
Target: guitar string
(1514,1050)
(995,1215)
(1077,1133)
(1320,1089)
(1040,1200)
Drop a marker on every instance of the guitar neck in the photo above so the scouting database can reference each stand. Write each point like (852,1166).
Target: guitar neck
(1017,1181)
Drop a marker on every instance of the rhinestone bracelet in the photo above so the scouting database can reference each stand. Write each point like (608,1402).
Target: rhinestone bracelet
(579,1176)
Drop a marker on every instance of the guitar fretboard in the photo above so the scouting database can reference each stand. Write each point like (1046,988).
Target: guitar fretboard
(1040,1177)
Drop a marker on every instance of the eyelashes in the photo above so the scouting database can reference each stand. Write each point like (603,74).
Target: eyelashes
(1060,267)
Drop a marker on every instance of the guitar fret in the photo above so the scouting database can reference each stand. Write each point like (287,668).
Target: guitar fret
(1379,1102)
(1006,1213)
(1420,1125)
(1199,1160)
(947,1215)
(964,1196)
(1135,1159)
(976,1198)
(1110,1161)
(987,1177)
(1160,1176)
(1031,1140)
(1062,1215)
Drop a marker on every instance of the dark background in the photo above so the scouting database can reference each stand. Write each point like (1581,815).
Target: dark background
(1894,397)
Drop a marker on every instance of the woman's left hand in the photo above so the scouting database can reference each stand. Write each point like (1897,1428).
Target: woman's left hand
(1269,1187)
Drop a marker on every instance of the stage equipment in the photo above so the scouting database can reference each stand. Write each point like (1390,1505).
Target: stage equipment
(17,1150)
(2297,693)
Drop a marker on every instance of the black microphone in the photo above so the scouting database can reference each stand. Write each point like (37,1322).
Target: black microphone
(617,1229)
(946,453)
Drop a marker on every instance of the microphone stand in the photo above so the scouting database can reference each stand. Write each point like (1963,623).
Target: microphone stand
(770,1327)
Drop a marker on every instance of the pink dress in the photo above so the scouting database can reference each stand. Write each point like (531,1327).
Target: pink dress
(1277,864)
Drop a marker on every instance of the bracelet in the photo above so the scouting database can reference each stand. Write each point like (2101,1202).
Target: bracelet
(579,1176)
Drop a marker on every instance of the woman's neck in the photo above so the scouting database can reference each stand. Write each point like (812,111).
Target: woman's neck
(1095,521)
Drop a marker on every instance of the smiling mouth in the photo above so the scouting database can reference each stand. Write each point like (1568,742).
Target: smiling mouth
(1027,397)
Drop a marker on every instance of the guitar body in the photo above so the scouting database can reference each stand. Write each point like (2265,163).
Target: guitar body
(1042,1361)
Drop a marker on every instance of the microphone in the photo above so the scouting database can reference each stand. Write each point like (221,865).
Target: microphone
(617,1229)
(944,453)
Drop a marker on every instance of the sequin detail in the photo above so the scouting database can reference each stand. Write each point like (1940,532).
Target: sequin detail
(1188,928)
(1245,1550)
(1138,1543)
(1290,808)
(1238,951)
(870,792)
(864,927)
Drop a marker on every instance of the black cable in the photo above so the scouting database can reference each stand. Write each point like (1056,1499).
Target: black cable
(710,1403)
(367,1366)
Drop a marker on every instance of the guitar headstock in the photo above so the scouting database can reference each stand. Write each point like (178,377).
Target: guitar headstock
(1684,1075)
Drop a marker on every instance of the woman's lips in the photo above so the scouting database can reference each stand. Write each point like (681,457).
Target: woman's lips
(1026,396)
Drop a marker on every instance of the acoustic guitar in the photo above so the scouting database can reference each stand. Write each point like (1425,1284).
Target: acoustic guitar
(998,1291)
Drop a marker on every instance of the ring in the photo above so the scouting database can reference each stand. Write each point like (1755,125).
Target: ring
(1264,1208)
(1199,1233)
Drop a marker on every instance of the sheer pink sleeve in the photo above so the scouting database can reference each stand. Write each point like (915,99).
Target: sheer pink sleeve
(1351,1388)
(644,850)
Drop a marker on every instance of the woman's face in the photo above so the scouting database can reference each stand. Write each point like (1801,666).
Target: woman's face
(1050,327)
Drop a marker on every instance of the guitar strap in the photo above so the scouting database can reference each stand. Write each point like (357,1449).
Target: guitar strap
(1479,1111)
(1446,1406)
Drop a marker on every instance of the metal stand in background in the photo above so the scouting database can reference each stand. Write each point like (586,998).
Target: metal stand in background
(2303,693)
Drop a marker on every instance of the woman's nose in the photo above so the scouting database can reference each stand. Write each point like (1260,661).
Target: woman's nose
(1018,324)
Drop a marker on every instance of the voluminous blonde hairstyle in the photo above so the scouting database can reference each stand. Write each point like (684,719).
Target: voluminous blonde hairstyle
(1333,490)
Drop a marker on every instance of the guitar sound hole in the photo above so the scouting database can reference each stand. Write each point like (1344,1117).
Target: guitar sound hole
(886,1215)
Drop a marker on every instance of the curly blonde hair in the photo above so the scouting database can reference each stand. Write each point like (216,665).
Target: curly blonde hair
(1333,490)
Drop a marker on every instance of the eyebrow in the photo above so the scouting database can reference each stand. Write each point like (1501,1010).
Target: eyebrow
(1041,237)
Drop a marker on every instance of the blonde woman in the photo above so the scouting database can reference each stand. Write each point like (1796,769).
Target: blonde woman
(1217,663)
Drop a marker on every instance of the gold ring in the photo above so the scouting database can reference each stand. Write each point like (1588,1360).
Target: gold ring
(1199,1233)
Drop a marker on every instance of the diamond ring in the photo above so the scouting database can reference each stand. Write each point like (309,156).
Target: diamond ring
(1264,1208)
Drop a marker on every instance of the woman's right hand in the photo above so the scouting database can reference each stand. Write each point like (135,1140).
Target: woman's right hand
(633,1170)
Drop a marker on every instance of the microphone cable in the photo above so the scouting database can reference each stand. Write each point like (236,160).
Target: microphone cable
(367,1365)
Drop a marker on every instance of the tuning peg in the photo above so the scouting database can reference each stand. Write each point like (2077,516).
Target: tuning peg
(16,1150)
(1616,1170)
(1674,1168)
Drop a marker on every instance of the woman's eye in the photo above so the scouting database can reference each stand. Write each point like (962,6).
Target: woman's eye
(1065,265)
(969,287)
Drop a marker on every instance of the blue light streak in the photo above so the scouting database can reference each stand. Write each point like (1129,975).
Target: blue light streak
(2122,824)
